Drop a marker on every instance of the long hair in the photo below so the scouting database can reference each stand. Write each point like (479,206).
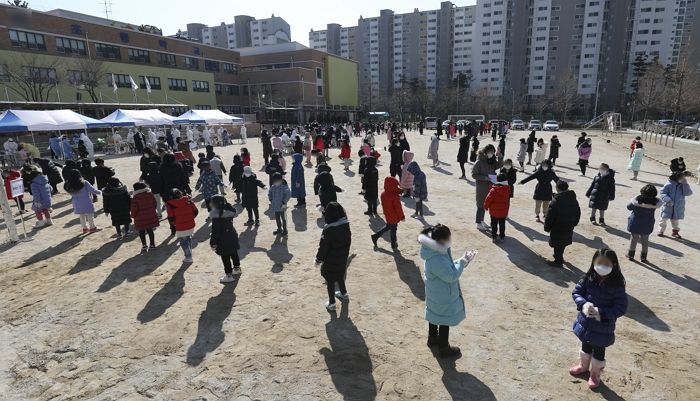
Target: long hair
(74,182)
(615,278)
(334,212)
(220,203)
(437,232)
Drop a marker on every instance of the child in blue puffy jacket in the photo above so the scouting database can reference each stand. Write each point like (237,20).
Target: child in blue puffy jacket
(600,299)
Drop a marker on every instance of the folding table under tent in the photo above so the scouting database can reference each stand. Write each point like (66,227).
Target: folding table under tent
(209,117)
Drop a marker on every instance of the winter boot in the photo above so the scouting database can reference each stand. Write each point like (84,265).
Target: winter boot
(644,258)
(601,222)
(596,371)
(630,254)
(584,361)
(676,234)
(449,351)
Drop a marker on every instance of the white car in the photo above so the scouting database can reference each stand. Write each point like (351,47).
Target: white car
(535,125)
(551,125)
(518,124)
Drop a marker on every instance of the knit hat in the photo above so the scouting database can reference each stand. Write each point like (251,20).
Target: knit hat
(247,170)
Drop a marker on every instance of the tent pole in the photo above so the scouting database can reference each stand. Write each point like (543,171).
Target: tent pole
(33,140)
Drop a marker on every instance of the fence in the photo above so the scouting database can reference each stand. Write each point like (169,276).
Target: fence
(665,135)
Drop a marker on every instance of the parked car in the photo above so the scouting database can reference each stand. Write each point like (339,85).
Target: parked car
(431,122)
(550,125)
(518,125)
(535,125)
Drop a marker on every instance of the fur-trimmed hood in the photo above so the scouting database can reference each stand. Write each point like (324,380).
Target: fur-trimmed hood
(430,245)
(227,214)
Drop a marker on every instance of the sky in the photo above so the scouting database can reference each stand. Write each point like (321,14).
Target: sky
(302,15)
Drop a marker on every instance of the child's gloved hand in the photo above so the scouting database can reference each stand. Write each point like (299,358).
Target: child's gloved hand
(586,309)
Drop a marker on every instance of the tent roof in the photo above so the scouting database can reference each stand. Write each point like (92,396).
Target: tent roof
(45,120)
(130,118)
(209,117)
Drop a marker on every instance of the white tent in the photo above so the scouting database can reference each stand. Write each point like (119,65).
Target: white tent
(46,120)
(139,118)
(209,117)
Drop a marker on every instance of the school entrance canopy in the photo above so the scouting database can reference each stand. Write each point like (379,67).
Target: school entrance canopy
(48,120)
(140,118)
(209,117)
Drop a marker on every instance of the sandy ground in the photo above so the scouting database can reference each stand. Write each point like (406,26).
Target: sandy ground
(88,318)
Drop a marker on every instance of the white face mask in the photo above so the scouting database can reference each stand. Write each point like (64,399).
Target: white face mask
(603,172)
(489,155)
(545,168)
(507,166)
(247,174)
(602,270)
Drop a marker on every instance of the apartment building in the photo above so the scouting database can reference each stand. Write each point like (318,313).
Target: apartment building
(519,49)
(245,31)
(79,56)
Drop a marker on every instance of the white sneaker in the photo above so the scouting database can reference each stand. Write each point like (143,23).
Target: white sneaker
(414,215)
(343,297)
(48,222)
(188,259)
(39,224)
(227,279)
(330,307)
(485,226)
(580,174)
(236,271)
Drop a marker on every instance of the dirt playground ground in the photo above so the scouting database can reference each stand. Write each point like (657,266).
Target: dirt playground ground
(89,318)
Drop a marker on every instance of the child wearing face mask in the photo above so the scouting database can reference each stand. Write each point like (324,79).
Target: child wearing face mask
(279,195)
(601,192)
(540,151)
(497,203)
(600,299)
(248,187)
(444,305)
(522,154)
(511,175)
(673,196)
(641,220)
(545,176)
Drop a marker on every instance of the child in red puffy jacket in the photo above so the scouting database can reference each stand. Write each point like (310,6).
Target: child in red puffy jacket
(393,211)
(498,203)
(181,214)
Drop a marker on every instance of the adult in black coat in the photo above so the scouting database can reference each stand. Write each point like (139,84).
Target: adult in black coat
(396,154)
(139,141)
(51,171)
(463,154)
(70,165)
(266,145)
(117,204)
(531,141)
(174,176)
(333,252)
(563,215)
(154,179)
(678,165)
(370,185)
(299,145)
(224,238)
(554,146)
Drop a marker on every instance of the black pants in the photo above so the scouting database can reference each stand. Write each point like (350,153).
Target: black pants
(206,203)
(119,229)
(553,160)
(251,211)
(372,205)
(498,226)
(441,332)
(20,203)
(301,201)
(394,170)
(54,188)
(598,352)
(281,220)
(419,207)
(151,236)
(559,253)
(330,286)
(582,164)
(461,166)
(228,259)
(392,232)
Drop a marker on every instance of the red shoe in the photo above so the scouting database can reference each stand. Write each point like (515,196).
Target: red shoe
(86,230)
(676,234)
(94,230)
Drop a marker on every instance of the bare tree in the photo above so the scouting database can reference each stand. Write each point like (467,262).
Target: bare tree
(33,78)
(681,86)
(18,3)
(650,88)
(566,95)
(541,104)
(88,75)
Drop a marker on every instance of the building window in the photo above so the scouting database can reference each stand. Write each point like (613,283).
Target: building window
(319,90)
(232,90)
(153,81)
(121,80)
(319,74)
(177,84)
(27,39)
(40,74)
(70,46)
(167,59)
(191,63)
(217,89)
(202,107)
(107,51)
(200,86)
(76,77)
(211,65)
(139,56)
